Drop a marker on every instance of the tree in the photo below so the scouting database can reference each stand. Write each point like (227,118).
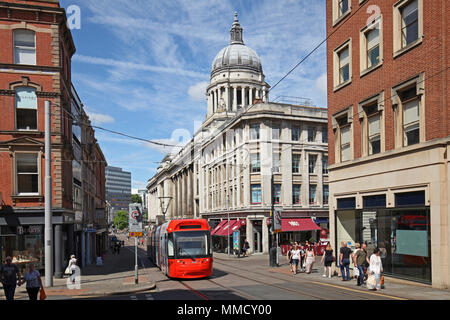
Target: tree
(121,220)
(135,198)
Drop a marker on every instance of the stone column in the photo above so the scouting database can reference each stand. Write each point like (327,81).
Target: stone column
(250,96)
(265,236)
(179,196)
(210,106)
(234,98)
(190,198)
(243,96)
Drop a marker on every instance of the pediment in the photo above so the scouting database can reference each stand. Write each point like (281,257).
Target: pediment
(23,141)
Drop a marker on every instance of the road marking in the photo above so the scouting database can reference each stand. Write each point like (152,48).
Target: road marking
(133,298)
(149,297)
(359,291)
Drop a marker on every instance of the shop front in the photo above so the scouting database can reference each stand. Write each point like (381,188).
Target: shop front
(223,229)
(402,233)
(297,230)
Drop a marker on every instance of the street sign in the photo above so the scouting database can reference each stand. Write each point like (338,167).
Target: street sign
(277,220)
(135,218)
(135,234)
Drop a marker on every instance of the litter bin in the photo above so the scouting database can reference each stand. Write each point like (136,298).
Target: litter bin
(273,257)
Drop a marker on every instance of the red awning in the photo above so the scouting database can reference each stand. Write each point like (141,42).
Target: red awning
(218,227)
(304,224)
(230,228)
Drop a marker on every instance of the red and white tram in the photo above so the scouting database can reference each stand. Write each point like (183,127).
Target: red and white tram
(182,248)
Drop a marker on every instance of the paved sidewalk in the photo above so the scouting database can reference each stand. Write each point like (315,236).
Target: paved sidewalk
(393,287)
(115,277)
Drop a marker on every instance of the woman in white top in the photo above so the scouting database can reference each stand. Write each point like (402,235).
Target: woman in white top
(295,257)
(71,268)
(376,267)
(310,258)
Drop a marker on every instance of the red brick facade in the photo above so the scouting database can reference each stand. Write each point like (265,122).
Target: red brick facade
(430,57)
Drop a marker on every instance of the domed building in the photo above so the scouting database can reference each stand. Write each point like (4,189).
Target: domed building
(237,76)
(245,151)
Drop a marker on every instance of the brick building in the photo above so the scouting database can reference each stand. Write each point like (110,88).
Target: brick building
(389,129)
(35,66)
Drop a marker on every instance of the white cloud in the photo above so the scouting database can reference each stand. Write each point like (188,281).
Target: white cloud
(197,91)
(321,83)
(99,118)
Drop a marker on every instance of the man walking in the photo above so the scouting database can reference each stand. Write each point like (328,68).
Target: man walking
(360,259)
(344,259)
(9,275)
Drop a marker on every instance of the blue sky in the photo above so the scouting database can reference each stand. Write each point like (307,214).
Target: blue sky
(142,66)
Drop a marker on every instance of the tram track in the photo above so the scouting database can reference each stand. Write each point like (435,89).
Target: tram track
(348,291)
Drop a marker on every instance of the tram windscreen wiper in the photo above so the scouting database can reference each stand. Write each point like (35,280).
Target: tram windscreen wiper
(187,254)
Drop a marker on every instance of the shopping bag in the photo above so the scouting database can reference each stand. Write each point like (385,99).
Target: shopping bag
(371,282)
(67,271)
(42,295)
(355,272)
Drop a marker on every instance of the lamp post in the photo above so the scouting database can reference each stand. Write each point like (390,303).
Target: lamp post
(48,233)
(228,230)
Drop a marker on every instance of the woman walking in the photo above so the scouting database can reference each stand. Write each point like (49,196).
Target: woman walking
(376,268)
(289,258)
(71,268)
(34,283)
(328,257)
(295,258)
(310,258)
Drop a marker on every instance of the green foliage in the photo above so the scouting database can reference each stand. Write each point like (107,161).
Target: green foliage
(135,198)
(121,220)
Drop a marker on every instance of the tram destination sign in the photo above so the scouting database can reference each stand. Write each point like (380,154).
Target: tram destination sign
(135,218)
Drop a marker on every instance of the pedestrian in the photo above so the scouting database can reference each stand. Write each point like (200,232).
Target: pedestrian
(328,258)
(353,257)
(360,259)
(289,258)
(302,257)
(344,259)
(118,247)
(34,282)
(310,258)
(295,258)
(375,268)
(9,276)
(245,247)
(71,268)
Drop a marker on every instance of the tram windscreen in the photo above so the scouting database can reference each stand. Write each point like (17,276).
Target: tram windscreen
(192,244)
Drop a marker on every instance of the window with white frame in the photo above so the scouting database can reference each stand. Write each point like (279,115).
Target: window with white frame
(26,108)
(373,47)
(343,7)
(296,197)
(296,163)
(407,24)
(410,22)
(27,171)
(374,129)
(277,193)
(255,162)
(295,133)
(325,164)
(326,194)
(312,194)
(411,117)
(342,64)
(325,135)
(254,131)
(345,142)
(255,193)
(24,47)
(312,160)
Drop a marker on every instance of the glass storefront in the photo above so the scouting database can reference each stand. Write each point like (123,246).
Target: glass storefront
(25,244)
(402,234)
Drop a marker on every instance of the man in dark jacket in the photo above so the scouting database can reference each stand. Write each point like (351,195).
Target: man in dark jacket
(9,275)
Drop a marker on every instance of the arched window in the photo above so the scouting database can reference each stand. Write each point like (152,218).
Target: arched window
(24,47)
(26,108)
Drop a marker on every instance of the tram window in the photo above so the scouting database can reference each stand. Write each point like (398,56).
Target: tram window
(170,251)
(190,227)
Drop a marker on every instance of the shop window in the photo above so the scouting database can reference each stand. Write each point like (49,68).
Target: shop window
(27,173)
(256,193)
(24,47)
(346,203)
(26,108)
(374,201)
(296,198)
(416,198)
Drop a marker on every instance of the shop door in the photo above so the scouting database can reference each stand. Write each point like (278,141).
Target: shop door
(257,236)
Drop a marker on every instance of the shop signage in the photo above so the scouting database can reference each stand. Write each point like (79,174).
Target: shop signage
(29,230)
